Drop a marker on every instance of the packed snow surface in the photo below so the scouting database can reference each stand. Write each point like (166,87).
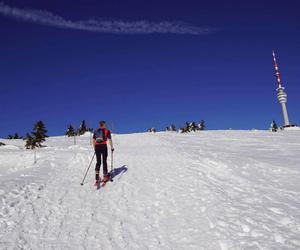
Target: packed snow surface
(204,190)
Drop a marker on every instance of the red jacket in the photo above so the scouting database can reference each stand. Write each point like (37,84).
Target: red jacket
(101,135)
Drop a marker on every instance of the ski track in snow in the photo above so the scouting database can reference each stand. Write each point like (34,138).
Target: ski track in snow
(207,190)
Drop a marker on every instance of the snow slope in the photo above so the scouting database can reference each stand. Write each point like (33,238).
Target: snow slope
(204,190)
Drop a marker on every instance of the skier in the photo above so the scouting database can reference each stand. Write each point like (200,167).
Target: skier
(274,126)
(100,137)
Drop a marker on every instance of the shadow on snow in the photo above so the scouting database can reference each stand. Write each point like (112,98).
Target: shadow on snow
(119,171)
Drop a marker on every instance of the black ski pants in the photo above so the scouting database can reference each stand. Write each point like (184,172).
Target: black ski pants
(101,152)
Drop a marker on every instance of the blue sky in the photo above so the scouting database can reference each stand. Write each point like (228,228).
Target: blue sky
(146,63)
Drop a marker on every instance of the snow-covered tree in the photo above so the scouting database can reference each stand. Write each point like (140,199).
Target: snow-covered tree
(31,142)
(193,127)
(70,131)
(37,137)
(190,126)
(151,130)
(15,136)
(173,127)
(201,125)
(82,129)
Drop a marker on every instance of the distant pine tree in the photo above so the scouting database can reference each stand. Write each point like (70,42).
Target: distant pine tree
(151,130)
(82,128)
(193,126)
(16,136)
(39,133)
(31,142)
(173,127)
(70,131)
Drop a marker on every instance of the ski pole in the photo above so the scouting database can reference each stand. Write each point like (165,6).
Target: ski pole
(112,159)
(111,165)
(87,169)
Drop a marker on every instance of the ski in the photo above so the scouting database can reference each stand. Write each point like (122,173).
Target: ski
(98,184)
(104,181)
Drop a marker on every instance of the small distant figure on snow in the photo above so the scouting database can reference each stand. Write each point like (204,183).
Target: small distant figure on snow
(274,127)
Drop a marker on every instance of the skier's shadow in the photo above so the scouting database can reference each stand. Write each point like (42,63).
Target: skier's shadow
(118,171)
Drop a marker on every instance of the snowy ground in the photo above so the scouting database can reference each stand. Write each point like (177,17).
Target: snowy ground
(205,190)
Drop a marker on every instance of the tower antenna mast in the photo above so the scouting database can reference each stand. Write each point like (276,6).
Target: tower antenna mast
(281,94)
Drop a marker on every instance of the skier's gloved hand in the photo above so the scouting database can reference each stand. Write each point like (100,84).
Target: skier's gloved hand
(112,150)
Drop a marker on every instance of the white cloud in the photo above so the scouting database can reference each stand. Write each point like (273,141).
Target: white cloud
(109,26)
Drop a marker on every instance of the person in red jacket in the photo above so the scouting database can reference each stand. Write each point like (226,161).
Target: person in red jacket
(100,137)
